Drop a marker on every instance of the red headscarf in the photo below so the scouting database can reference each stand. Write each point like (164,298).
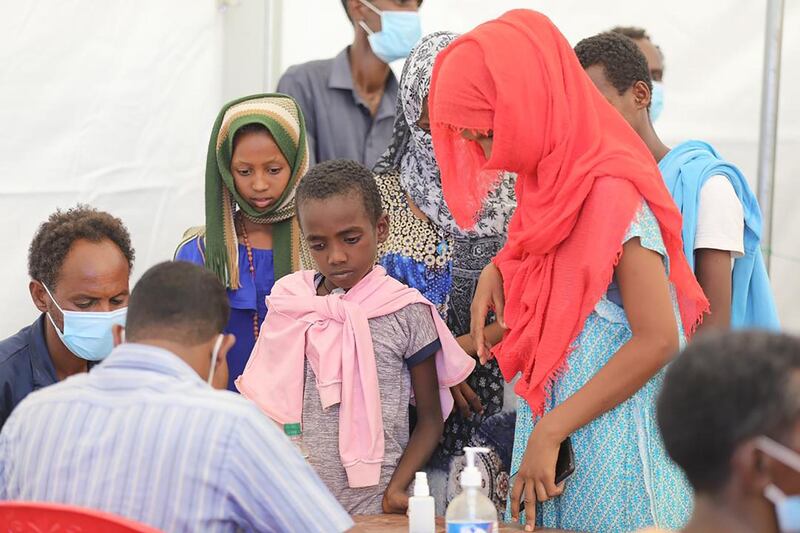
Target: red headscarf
(582,175)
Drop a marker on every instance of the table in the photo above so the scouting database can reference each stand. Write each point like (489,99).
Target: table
(395,523)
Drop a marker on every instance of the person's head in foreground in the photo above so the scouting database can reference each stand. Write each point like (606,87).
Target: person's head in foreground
(340,213)
(182,308)
(619,70)
(79,263)
(391,27)
(655,63)
(729,412)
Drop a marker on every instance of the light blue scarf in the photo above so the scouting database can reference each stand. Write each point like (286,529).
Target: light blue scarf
(685,169)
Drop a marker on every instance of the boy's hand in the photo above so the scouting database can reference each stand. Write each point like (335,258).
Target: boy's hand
(395,501)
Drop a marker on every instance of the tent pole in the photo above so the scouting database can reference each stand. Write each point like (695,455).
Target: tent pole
(767,140)
(273,14)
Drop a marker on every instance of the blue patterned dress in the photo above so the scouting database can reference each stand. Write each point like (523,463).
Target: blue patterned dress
(624,480)
(416,252)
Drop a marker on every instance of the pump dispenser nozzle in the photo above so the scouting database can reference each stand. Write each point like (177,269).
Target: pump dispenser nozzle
(421,485)
(471,476)
(421,507)
(471,510)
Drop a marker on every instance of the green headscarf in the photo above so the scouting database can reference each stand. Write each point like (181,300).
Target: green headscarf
(283,118)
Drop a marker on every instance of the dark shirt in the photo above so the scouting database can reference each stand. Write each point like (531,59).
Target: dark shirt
(338,121)
(25,365)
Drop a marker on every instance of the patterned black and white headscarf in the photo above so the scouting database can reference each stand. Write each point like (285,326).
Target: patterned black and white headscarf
(411,152)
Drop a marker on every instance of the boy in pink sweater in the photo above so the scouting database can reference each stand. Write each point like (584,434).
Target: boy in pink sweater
(344,350)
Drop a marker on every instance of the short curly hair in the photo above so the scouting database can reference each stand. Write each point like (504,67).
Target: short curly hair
(723,390)
(338,177)
(54,238)
(632,32)
(624,64)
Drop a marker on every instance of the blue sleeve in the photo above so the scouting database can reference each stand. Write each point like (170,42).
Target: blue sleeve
(423,354)
(191,252)
(272,488)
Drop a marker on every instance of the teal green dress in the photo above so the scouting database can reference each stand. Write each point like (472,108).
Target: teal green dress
(624,480)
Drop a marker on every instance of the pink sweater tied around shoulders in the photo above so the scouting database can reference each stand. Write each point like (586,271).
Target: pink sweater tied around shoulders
(332,332)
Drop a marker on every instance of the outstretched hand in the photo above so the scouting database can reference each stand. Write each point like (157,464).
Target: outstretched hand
(488,297)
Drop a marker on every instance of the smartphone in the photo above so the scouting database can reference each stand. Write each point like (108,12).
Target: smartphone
(565,466)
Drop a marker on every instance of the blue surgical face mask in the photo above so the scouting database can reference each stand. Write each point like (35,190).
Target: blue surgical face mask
(88,334)
(400,32)
(657,101)
(787,507)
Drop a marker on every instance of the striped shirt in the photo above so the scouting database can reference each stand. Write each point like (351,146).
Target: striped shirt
(144,437)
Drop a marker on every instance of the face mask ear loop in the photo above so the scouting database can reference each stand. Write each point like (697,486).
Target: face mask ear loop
(364,24)
(214,357)
(50,294)
(50,315)
(779,452)
(373,8)
(365,27)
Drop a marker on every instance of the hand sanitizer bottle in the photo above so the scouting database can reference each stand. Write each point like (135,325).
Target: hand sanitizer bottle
(471,511)
(421,508)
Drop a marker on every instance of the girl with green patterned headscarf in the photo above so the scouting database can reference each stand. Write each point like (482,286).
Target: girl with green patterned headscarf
(256,155)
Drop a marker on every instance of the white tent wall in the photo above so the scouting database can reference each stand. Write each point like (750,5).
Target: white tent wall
(105,103)
(110,103)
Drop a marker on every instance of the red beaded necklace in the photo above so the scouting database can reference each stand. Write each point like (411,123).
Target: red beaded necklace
(252,271)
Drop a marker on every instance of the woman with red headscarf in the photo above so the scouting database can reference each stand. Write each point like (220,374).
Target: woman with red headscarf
(592,284)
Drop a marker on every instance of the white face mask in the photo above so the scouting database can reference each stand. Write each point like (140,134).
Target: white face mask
(215,356)
(787,507)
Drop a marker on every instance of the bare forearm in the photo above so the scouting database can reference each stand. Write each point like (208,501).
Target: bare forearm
(421,445)
(493,334)
(624,374)
(648,306)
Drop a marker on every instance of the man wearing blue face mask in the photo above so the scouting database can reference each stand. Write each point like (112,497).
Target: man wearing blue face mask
(655,63)
(79,262)
(729,412)
(146,436)
(721,217)
(349,101)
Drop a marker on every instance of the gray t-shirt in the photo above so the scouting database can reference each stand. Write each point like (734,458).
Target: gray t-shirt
(400,341)
(338,122)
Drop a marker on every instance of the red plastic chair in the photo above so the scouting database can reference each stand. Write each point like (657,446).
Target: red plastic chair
(32,517)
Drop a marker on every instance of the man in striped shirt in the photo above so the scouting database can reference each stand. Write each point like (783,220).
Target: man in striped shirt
(145,437)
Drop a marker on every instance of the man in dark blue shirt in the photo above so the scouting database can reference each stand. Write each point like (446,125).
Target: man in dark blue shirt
(79,263)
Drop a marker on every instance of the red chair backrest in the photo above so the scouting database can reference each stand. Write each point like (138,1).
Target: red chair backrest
(32,517)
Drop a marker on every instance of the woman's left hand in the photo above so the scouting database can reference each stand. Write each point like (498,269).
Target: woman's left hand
(535,479)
